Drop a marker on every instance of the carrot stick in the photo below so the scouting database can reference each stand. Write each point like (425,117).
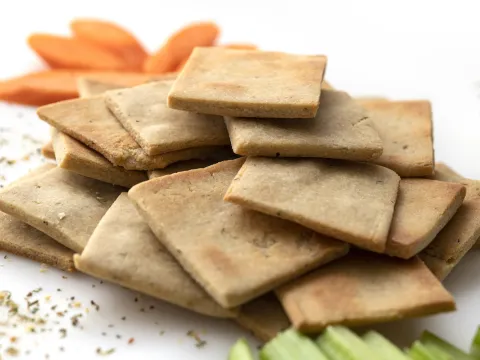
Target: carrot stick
(69,53)
(112,38)
(180,45)
(45,87)
(240,46)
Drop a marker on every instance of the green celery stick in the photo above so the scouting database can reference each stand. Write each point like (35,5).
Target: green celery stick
(383,347)
(438,353)
(475,347)
(340,343)
(429,338)
(418,351)
(291,345)
(240,351)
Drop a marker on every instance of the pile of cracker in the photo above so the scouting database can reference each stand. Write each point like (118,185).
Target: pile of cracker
(257,193)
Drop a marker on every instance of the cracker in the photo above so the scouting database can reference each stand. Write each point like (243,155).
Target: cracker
(407,132)
(216,241)
(47,151)
(247,83)
(180,166)
(460,234)
(264,317)
(348,201)
(362,289)
(61,204)
(445,173)
(87,120)
(21,239)
(143,112)
(123,250)
(340,130)
(74,156)
(423,208)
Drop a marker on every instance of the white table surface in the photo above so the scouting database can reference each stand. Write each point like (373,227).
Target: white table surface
(401,50)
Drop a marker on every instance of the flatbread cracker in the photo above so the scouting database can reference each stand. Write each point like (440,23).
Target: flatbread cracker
(180,166)
(216,241)
(348,201)
(123,250)
(143,112)
(445,173)
(23,240)
(47,151)
(407,132)
(86,120)
(88,87)
(341,130)
(264,317)
(61,204)
(246,83)
(362,289)
(74,156)
(423,208)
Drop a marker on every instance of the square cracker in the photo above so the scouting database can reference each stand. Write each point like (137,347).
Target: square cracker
(87,120)
(74,156)
(340,130)
(349,201)
(460,234)
(423,208)
(47,151)
(21,239)
(407,132)
(247,83)
(180,166)
(61,204)
(123,250)
(264,317)
(362,289)
(216,241)
(143,112)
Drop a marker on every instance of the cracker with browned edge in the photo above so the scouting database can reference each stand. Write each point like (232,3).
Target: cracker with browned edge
(89,121)
(216,241)
(422,210)
(47,151)
(143,112)
(247,83)
(460,234)
(180,166)
(362,289)
(61,204)
(74,156)
(21,239)
(407,132)
(123,250)
(340,130)
(264,317)
(349,201)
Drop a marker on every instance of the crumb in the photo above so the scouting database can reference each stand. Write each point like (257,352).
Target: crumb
(105,352)
(131,341)
(12,351)
(61,215)
(97,307)
(63,333)
(124,318)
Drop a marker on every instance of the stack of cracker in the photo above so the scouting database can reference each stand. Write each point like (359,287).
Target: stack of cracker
(258,193)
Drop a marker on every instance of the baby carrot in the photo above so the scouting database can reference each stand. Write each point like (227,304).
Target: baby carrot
(180,45)
(113,38)
(71,53)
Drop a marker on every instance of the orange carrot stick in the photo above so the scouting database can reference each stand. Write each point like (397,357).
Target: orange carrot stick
(45,87)
(240,46)
(180,45)
(112,38)
(70,53)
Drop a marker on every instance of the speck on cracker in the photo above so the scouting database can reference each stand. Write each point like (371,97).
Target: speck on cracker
(247,83)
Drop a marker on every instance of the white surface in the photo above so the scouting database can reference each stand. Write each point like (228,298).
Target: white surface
(409,50)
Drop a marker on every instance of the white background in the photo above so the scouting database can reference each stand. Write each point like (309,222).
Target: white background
(404,49)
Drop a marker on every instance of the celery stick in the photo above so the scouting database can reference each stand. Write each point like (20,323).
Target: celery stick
(429,338)
(339,343)
(290,345)
(475,347)
(418,351)
(240,351)
(383,347)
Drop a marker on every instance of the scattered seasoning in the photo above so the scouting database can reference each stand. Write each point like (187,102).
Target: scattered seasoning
(60,314)
(37,290)
(118,336)
(136,299)
(31,329)
(12,351)
(93,285)
(105,352)
(110,325)
(124,318)
(47,298)
(72,298)
(199,342)
(13,339)
(131,341)
(63,333)
(61,348)
(142,310)
(53,307)
(74,319)
(64,277)
(162,333)
(101,281)
(104,333)
(77,304)
(97,307)
(59,289)
(5,257)
(152,307)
